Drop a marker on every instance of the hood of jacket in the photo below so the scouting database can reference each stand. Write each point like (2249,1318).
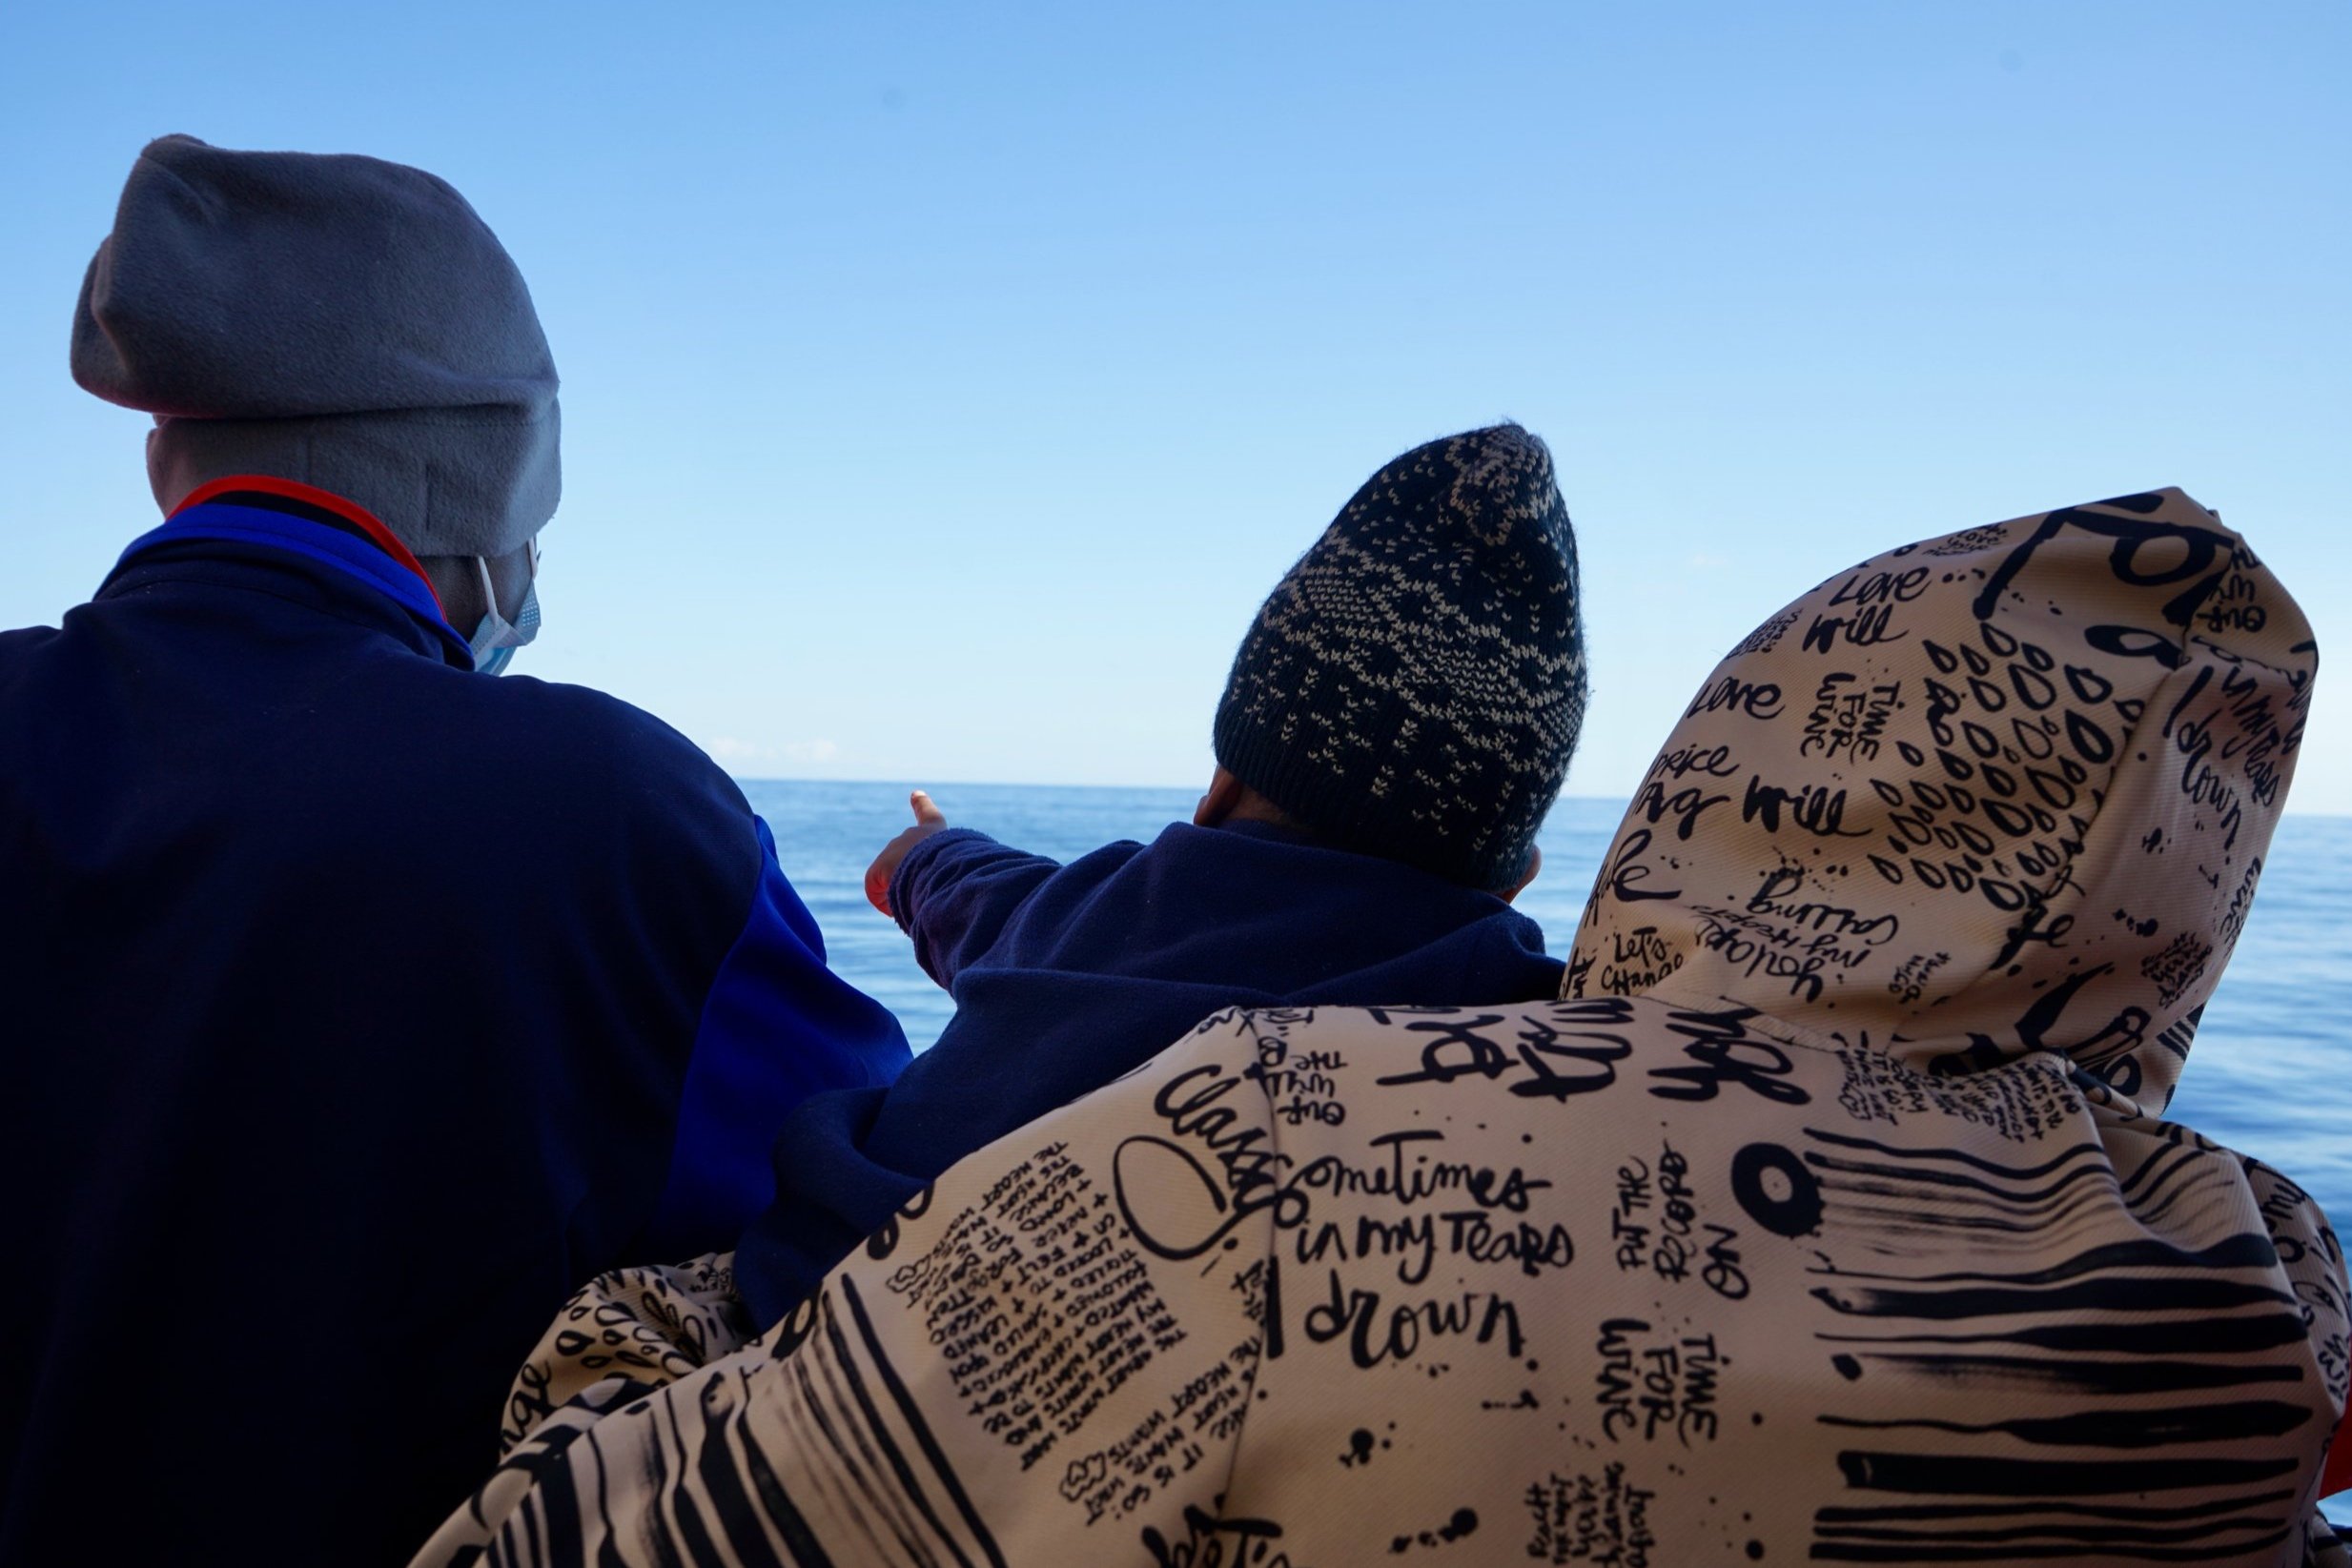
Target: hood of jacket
(2001,791)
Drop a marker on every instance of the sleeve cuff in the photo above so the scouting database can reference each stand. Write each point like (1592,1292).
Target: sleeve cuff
(902,881)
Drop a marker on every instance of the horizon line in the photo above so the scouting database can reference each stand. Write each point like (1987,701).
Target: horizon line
(1030,784)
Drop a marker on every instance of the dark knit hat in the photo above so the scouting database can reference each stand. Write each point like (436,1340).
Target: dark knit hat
(339,321)
(1412,687)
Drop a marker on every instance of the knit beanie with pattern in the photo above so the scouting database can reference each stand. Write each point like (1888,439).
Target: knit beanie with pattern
(339,321)
(1412,687)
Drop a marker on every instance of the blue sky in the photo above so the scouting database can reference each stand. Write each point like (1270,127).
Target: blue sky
(944,386)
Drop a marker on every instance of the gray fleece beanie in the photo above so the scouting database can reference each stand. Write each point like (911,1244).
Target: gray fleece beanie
(337,320)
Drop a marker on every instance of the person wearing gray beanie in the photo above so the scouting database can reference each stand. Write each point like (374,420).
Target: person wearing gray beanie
(1397,722)
(334,970)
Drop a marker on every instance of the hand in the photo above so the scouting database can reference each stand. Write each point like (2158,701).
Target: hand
(928,820)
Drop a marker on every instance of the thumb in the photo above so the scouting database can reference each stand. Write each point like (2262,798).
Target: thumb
(926,814)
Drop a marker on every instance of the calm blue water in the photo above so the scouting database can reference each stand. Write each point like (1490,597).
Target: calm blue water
(2267,1075)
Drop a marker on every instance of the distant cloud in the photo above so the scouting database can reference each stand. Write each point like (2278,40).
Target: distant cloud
(734,752)
(1708,562)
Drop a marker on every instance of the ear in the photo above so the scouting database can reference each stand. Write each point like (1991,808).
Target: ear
(1535,867)
(1225,793)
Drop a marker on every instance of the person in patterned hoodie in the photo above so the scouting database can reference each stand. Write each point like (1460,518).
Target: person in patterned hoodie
(1831,1215)
(1396,724)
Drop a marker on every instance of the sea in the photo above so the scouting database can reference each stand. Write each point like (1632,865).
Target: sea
(2267,1075)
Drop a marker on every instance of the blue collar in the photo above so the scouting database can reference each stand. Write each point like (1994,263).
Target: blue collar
(353,556)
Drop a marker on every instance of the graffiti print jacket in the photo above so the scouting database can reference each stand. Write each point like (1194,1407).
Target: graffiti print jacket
(332,972)
(1831,1215)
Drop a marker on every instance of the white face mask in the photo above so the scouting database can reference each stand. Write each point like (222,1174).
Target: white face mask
(495,641)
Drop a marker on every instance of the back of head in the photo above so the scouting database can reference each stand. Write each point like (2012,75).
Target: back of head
(337,320)
(1412,687)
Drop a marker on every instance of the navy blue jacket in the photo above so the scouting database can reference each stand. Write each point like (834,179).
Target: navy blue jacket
(354,1008)
(1066,977)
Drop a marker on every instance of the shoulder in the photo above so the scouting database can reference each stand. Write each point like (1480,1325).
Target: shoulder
(586,745)
(612,803)
(21,649)
(632,741)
